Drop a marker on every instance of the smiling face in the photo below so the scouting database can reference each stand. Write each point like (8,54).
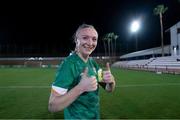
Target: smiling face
(86,41)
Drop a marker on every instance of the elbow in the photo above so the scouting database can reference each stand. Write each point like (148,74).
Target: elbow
(55,104)
(53,108)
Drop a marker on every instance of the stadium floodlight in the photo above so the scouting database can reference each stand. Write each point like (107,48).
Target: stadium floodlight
(135,25)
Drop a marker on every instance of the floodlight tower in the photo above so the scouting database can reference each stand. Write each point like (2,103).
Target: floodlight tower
(135,26)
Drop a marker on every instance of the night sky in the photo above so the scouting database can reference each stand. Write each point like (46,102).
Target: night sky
(46,28)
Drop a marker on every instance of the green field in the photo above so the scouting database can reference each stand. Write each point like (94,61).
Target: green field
(24,94)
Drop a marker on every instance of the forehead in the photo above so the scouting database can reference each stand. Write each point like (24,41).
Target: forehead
(87,32)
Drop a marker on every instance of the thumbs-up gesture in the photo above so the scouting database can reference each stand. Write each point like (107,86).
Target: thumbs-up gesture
(107,76)
(87,83)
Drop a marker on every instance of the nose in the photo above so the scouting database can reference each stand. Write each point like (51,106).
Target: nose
(90,41)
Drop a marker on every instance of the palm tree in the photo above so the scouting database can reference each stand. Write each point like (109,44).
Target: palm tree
(104,39)
(109,43)
(109,37)
(115,38)
(160,10)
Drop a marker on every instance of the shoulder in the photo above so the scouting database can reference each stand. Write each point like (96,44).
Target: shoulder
(69,60)
(67,63)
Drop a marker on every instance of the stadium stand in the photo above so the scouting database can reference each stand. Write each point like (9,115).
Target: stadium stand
(31,62)
(148,53)
(168,64)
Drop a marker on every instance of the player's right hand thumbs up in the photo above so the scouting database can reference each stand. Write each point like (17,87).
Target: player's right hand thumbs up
(87,83)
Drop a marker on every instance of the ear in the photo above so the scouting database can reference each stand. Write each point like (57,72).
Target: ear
(77,42)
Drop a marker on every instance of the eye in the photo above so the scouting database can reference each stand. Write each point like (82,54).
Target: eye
(85,38)
(94,39)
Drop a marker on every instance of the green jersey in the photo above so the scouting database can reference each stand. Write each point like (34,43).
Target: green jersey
(86,106)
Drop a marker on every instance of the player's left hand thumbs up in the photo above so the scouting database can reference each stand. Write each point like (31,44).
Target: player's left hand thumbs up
(107,76)
(107,67)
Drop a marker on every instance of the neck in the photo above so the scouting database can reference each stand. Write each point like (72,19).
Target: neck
(83,57)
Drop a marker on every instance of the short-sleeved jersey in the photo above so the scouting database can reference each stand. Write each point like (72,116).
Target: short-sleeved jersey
(86,106)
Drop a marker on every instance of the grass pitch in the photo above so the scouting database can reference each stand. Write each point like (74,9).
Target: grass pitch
(24,94)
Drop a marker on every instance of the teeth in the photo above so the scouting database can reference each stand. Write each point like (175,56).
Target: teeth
(89,49)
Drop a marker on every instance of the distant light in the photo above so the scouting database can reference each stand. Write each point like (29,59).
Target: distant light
(135,26)
(175,51)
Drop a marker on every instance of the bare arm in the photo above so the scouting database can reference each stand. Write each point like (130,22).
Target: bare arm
(59,102)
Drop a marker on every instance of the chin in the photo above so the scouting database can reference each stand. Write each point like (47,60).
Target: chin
(87,53)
